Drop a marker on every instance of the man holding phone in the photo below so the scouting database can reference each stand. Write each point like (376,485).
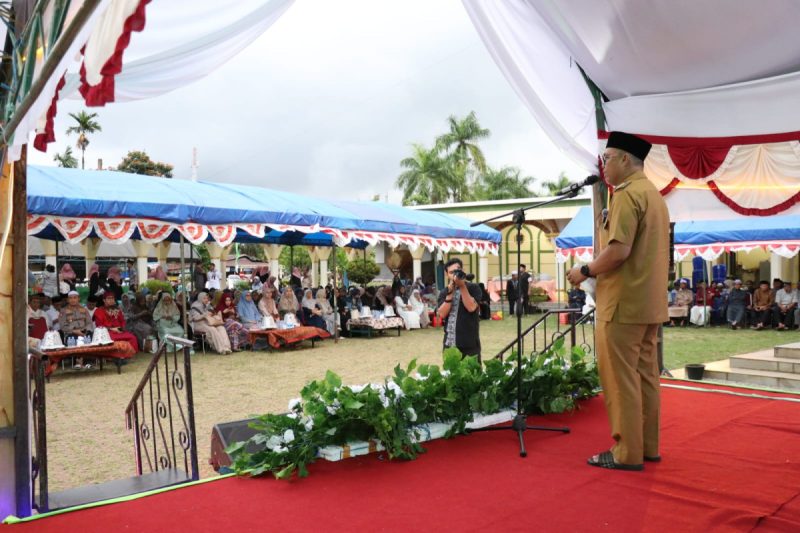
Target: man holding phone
(458,309)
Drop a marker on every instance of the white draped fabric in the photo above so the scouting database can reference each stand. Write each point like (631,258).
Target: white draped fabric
(669,68)
(185,41)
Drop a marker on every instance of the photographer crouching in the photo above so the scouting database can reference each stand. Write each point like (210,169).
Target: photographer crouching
(458,309)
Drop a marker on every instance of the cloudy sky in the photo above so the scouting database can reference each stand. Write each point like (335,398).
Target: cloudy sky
(328,101)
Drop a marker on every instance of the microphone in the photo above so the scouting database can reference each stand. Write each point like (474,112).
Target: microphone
(575,187)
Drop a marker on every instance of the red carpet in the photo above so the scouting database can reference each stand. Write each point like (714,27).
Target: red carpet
(730,464)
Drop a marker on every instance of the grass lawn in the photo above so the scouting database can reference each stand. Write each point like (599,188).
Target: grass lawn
(88,443)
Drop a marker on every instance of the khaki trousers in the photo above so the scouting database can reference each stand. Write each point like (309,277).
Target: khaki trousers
(628,365)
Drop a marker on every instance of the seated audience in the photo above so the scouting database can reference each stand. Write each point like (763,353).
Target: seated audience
(763,299)
(267,305)
(327,310)
(288,302)
(784,307)
(248,312)
(237,333)
(110,316)
(738,301)
(405,310)
(418,307)
(312,314)
(140,322)
(703,300)
(167,317)
(207,321)
(74,318)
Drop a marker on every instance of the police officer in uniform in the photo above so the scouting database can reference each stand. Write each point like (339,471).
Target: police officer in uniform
(631,273)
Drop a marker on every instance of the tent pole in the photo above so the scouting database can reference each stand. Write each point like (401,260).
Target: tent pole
(185,297)
(335,295)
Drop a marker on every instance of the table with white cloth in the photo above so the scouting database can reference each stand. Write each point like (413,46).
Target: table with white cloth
(367,325)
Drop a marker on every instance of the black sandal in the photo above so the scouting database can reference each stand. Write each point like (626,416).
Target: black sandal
(606,460)
(652,458)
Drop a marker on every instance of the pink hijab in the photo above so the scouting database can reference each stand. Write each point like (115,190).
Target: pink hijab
(159,274)
(67,274)
(94,269)
(115,274)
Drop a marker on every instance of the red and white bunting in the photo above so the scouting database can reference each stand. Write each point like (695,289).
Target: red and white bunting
(223,234)
(256,230)
(115,231)
(74,230)
(194,233)
(120,230)
(153,231)
(37,223)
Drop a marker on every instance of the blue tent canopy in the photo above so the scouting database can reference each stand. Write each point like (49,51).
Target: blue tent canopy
(108,195)
(578,233)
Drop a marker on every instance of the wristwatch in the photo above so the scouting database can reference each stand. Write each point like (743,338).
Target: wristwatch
(585,271)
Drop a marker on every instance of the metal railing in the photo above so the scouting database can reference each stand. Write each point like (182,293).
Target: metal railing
(37,365)
(574,332)
(161,412)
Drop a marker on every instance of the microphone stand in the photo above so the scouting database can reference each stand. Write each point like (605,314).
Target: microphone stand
(520,422)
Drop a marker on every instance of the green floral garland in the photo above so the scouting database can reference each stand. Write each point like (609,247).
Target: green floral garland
(328,413)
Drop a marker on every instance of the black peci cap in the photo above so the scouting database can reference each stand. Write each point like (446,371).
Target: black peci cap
(629,143)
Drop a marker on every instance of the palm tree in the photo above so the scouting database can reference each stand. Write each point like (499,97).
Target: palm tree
(66,160)
(86,124)
(552,188)
(462,140)
(503,184)
(427,178)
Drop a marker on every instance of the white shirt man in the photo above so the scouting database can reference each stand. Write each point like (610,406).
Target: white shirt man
(786,306)
(213,278)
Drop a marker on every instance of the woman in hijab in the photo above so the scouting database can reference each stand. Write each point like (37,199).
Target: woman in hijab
(382,297)
(405,311)
(326,309)
(167,317)
(296,278)
(110,317)
(415,301)
(208,322)
(267,305)
(248,312)
(312,314)
(288,302)
(140,322)
(237,333)
(68,276)
(114,279)
(158,273)
(126,306)
(97,285)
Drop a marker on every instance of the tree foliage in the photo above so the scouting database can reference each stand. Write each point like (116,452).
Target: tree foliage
(85,124)
(362,270)
(454,169)
(299,258)
(138,162)
(552,187)
(503,184)
(66,160)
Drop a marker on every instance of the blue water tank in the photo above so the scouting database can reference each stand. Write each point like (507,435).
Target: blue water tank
(698,263)
(719,273)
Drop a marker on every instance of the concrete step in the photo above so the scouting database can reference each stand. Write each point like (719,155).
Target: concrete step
(766,360)
(117,488)
(722,371)
(789,351)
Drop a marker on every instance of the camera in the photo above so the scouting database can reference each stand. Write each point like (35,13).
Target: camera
(459,274)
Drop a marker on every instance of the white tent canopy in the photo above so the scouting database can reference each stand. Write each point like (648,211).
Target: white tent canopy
(715,82)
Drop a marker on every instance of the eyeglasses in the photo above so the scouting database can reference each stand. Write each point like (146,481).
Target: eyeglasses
(606,157)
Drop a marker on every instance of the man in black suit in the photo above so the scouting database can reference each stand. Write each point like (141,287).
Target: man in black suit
(524,286)
(512,292)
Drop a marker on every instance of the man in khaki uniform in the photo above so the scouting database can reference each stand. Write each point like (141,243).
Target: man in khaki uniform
(631,273)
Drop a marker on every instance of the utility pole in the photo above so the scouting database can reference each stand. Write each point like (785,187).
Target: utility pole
(194,163)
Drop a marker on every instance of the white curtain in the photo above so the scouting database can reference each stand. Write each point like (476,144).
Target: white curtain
(687,69)
(542,72)
(182,41)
